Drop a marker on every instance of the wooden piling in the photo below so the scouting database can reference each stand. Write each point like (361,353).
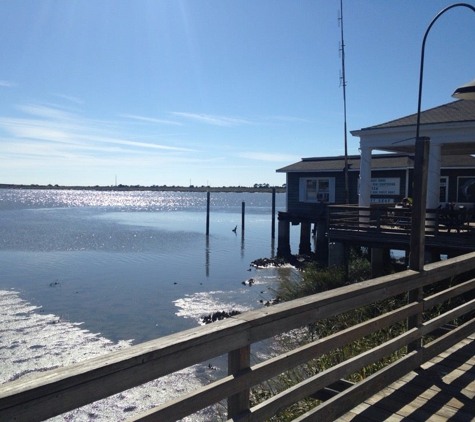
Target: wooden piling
(207,212)
(273,213)
(243,214)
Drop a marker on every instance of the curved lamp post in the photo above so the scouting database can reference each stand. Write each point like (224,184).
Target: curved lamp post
(416,258)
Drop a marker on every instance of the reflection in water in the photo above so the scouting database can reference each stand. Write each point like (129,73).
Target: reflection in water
(242,245)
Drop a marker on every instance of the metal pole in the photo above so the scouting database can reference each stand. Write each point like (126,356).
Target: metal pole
(421,159)
(343,78)
(417,248)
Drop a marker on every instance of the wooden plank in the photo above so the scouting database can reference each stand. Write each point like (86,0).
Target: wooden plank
(442,401)
(141,363)
(449,293)
(365,413)
(339,405)
(445,318)
(419,390)
(437,346)
(270,368)
(63,389)
(427,390)
(408,405)
(306,388)
(145,362)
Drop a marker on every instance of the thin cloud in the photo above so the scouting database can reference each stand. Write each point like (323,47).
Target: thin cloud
(135,143)
(70,98)
(265,156)
(290,119)
(212,120)
(7,83)
(50,124)
(51,113)
(151,119)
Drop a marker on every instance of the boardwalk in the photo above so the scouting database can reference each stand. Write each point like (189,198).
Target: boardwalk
(435,382)
(442,390)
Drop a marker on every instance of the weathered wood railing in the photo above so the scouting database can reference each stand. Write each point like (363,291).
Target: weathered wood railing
(391,219)
(44,395)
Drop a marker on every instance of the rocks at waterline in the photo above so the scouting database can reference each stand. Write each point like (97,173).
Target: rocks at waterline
(248,282)
(268,262)
(297,261)
(218,316)
(271,301)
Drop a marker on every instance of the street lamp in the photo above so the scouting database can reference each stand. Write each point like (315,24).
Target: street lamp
(421,154)
(416,258)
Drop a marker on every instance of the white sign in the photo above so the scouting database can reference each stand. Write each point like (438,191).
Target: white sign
(385,186)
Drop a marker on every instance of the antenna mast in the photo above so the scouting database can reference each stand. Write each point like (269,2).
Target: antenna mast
(343,83)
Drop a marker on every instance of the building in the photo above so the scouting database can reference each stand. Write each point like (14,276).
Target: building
(315,183)
(450,127)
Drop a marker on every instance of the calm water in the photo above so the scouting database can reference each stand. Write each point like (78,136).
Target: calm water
(135,265)
(84,273)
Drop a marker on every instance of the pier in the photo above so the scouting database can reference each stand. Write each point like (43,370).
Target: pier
(442,389)
(446,336)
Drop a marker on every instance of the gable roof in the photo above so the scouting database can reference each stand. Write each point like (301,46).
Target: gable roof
(456,111)
(378,162)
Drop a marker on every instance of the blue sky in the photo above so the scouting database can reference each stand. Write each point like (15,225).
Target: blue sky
(210,92)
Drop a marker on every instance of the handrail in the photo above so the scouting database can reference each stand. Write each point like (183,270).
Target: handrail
(391,219)
(51,393)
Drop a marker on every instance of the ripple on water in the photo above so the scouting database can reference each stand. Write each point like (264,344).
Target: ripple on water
(31,343)
(203,303)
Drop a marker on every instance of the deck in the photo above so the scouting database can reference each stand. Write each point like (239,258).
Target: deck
(446,231)
(442,389)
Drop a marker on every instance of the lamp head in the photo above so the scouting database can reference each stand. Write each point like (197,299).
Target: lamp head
(465,92)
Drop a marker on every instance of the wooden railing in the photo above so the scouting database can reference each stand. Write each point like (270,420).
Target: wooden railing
(397,220)
(47,394)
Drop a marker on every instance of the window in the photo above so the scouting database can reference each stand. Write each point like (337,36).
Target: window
(317,189)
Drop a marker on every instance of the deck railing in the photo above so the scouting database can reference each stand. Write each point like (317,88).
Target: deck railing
(397,220)
(51,393)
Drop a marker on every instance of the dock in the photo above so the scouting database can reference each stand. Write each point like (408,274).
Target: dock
(442,389)
(427,373)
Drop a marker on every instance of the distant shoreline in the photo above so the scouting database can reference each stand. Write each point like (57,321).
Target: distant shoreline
(124,188)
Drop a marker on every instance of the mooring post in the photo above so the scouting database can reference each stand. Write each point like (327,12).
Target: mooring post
(207,212)
(273,213)
(243,214)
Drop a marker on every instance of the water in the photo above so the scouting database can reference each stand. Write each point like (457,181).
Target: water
(110,269)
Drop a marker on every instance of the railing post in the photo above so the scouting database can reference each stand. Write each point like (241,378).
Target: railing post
(238,360)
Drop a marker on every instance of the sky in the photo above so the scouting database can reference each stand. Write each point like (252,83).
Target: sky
(208,92)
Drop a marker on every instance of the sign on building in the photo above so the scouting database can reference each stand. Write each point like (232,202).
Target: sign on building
(385,186)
